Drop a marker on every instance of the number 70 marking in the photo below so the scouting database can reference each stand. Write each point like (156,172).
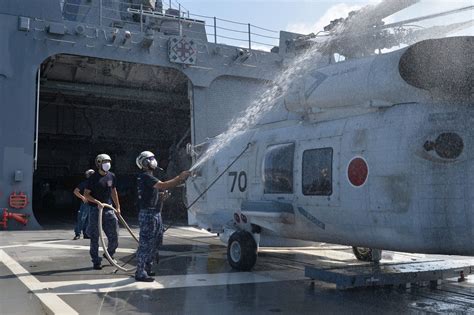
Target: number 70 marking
(241,179)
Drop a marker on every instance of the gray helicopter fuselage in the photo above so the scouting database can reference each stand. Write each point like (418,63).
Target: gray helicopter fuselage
(412,199)
(396,178)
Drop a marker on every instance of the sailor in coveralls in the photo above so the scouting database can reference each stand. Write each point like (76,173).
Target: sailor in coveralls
(149,218)
(101,190)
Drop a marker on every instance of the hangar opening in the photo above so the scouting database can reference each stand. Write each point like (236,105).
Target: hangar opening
(89,106)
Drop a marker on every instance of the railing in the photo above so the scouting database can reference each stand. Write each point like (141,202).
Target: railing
(237,32)
(252,35)
(222,31)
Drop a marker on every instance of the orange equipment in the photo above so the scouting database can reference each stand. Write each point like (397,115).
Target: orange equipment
(18,201)
(18,217)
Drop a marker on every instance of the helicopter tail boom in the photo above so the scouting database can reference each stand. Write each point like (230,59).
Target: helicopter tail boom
(434,68)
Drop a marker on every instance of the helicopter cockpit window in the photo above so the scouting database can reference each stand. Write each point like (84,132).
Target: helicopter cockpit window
(317,172)
(278,169)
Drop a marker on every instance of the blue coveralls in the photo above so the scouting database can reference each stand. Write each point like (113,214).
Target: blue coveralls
(151,233)
(82,219)
(149,219)
(110,228)
(101,189)
(83,213)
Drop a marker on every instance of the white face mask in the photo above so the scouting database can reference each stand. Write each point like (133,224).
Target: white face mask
(153,164)
(106,166)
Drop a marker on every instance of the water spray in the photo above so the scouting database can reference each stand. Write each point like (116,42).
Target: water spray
(264,103)
(259,107)
(211,184)
(124,223)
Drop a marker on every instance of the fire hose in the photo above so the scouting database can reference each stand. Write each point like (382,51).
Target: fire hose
(102,240)
(124,223)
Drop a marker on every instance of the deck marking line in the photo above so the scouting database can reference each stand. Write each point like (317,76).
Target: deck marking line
(28,244)
(50,301)
(23,245)
(87,248)
(12,246)
(170,282)
(329,253)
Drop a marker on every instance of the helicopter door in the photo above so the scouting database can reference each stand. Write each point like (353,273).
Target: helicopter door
(317,173)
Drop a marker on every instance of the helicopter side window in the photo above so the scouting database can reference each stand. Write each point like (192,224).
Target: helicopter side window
(317,172)
(278,169)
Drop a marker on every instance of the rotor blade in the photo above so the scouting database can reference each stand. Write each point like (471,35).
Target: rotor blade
(386,8)
(426,17)
(373,14)
(435,32)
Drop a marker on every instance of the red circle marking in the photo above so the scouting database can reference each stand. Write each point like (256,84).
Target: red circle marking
(357,171)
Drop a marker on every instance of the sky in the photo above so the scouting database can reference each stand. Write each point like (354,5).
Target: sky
(305,16)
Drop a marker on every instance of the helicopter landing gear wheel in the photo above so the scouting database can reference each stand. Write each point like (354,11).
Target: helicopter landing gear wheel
(242,251)
(362,253)
(367,254)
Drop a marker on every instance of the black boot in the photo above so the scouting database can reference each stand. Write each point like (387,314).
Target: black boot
(97,266)
(151,273)
(145,279)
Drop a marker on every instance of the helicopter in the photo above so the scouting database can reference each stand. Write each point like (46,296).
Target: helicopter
(376,152)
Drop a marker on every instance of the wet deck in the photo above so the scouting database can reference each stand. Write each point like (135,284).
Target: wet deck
(44,271)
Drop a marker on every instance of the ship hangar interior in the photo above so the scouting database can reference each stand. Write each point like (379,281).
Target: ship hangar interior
(89,106)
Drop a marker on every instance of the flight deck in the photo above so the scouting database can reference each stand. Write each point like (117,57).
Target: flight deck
(47,272)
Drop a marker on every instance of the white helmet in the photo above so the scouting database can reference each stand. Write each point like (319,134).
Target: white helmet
(143,160)
(101,158)
(89,173)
